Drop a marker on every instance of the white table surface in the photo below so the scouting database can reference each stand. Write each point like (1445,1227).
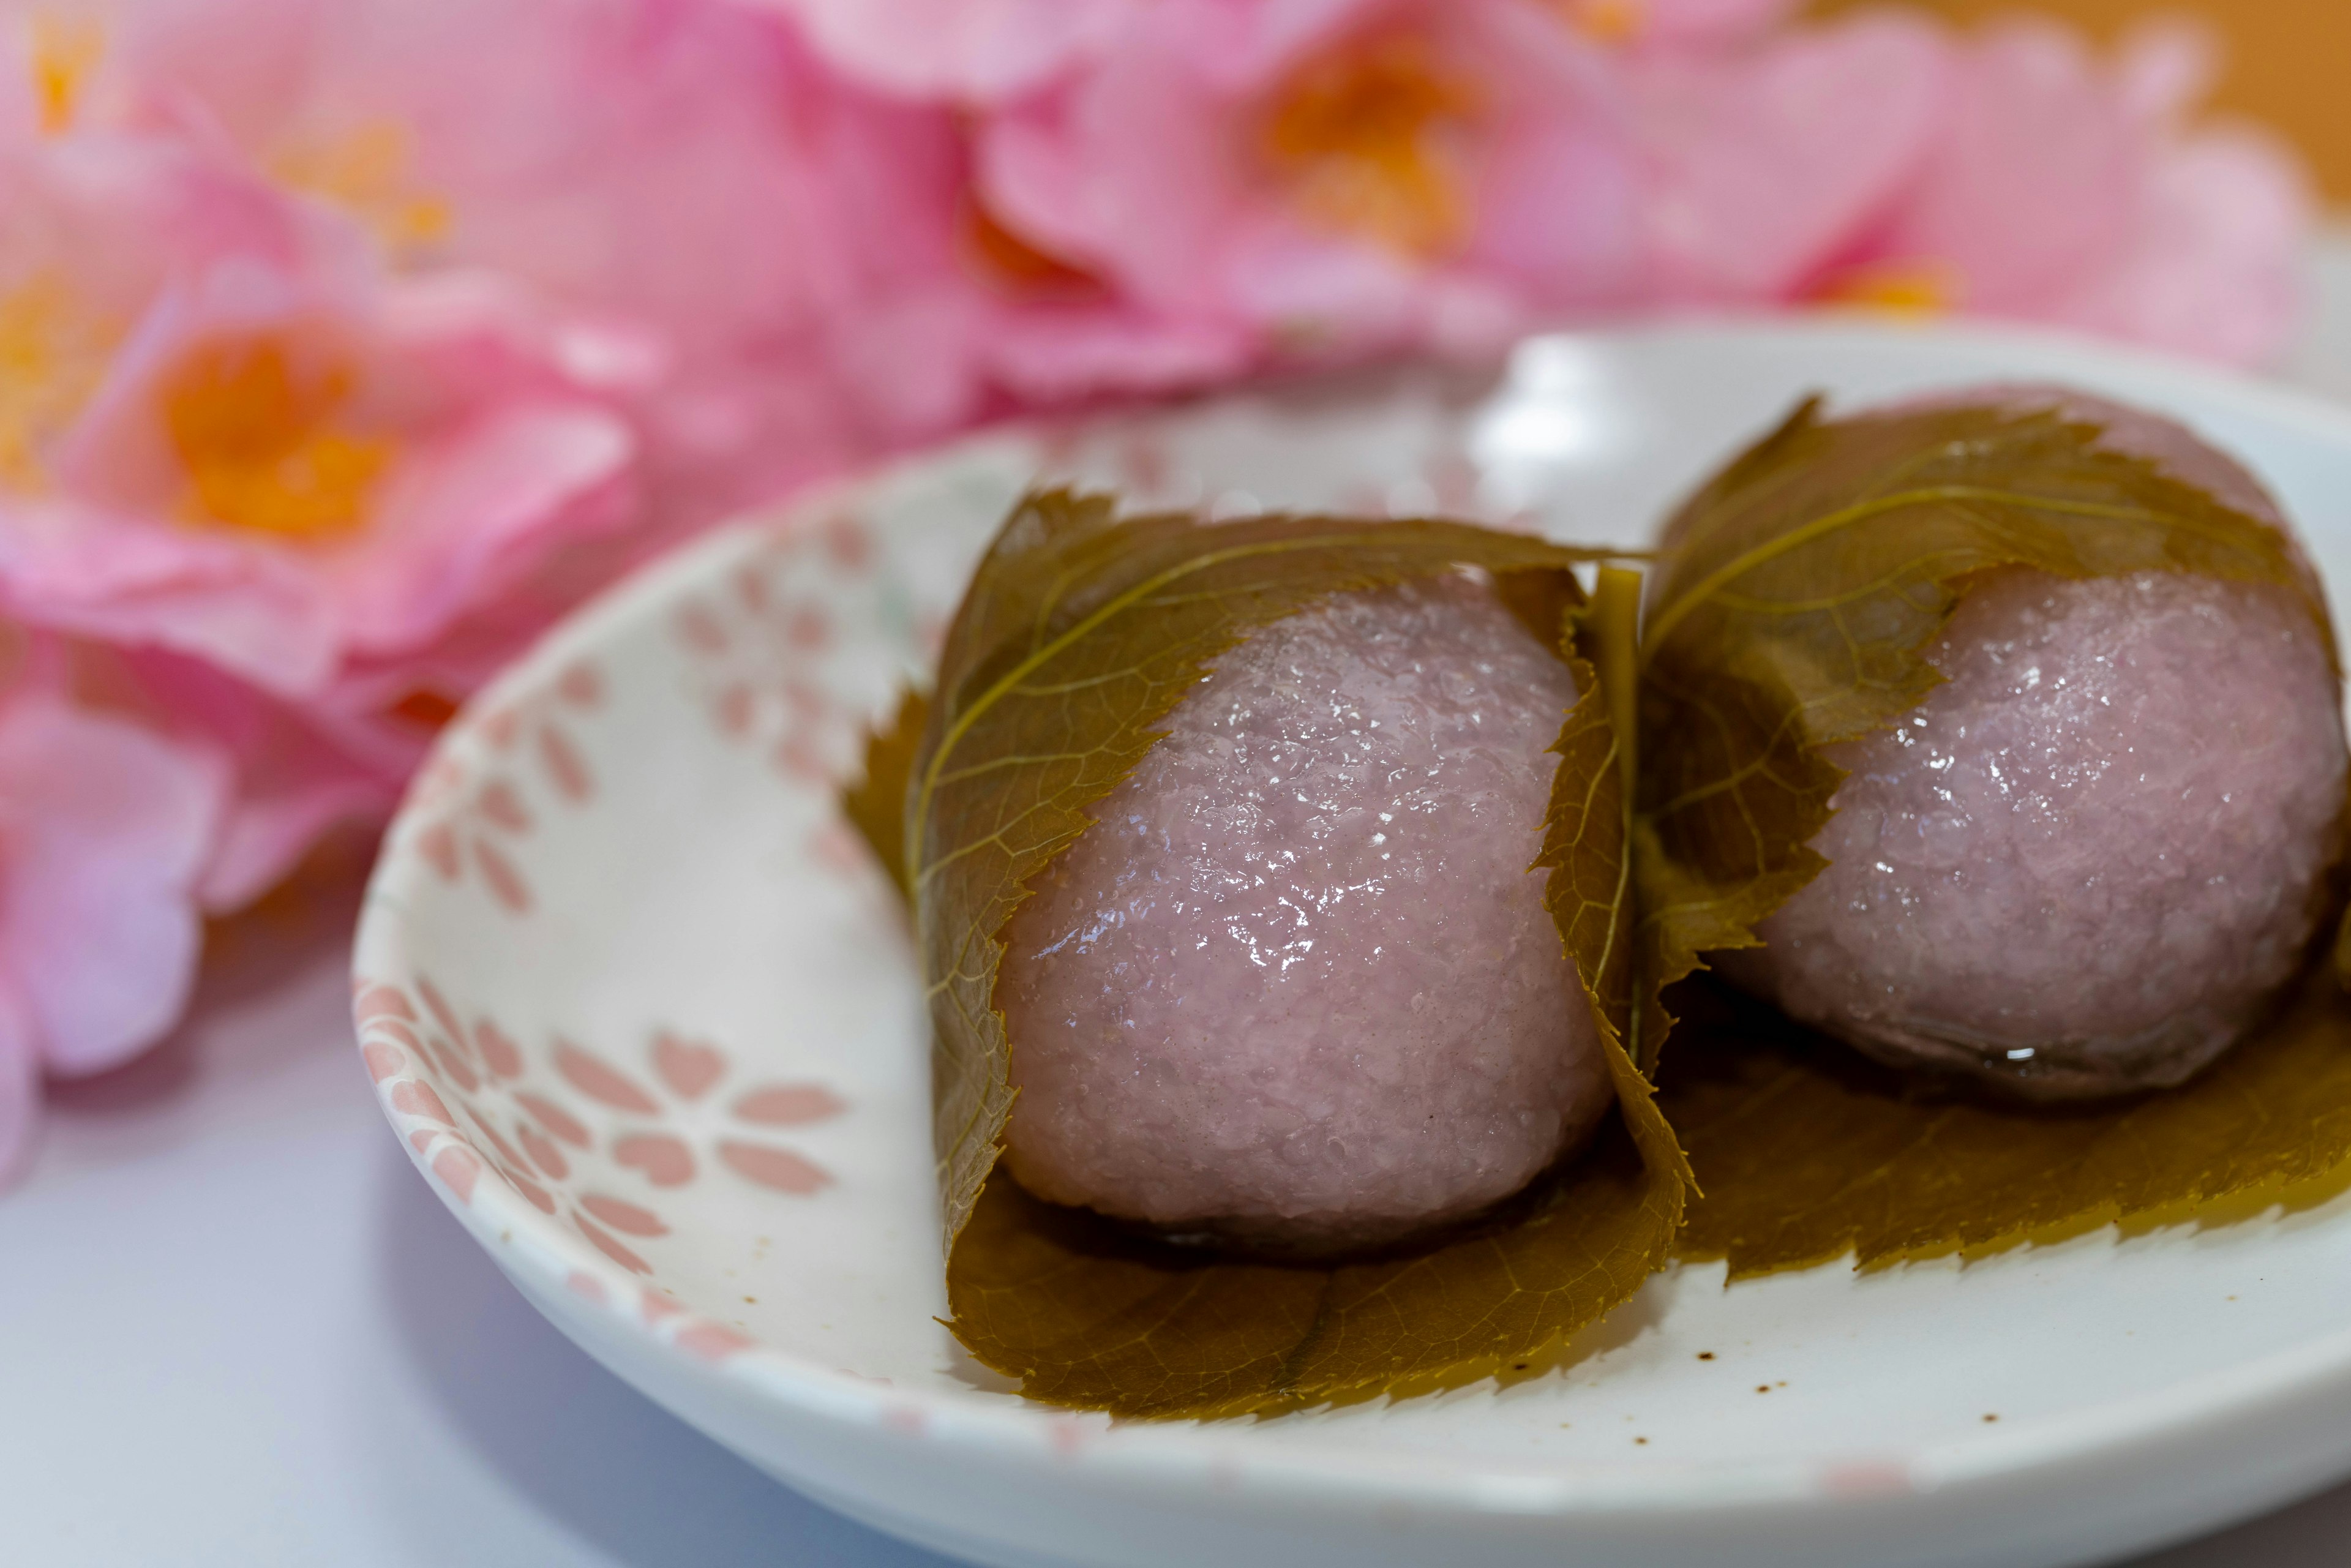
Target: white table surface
(237,1329)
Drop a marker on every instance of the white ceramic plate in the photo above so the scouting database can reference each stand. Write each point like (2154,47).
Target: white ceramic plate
(644,1011)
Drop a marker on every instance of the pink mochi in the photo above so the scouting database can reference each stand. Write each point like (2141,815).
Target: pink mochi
(1297,989)
(2086,863)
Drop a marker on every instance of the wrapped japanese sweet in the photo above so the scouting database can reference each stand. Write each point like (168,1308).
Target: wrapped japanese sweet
(1270,885)
(1998,738)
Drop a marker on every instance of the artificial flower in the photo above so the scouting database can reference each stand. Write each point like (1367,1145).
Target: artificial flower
(106,829)
(2057,188)
(1351,173)
(1764,164)
(970,51)
(226,435)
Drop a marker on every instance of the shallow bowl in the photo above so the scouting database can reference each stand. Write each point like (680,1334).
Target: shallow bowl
(644,1011)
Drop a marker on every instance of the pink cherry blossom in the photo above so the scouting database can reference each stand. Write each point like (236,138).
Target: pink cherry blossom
(234,440)
(2059,188)
(295,770)
(970,50)
(648,171)
(105,831)
(783,254)
(1373,175)
(951,314)
(1762,165)
(229,436)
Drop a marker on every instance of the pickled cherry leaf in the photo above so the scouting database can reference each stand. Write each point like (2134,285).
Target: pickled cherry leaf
(876,804)
(1590,888)
(1794,598)
(1808,1151)
(1089,1315)
(1080,633)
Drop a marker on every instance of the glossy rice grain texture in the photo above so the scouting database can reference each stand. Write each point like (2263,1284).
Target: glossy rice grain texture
(2085,864)
(1297,988)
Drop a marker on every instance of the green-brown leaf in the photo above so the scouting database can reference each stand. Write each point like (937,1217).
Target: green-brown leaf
(1079,635)
(1808,1151)
(876,804)
(1797,592)
(1792,600)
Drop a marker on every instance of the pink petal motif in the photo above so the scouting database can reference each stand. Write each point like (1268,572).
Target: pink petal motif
(751,587)
(418,1100)
(564,764)
(378,1002)
(442,1011)
(776,1168)
(581,1284)
(555,1118)
(455,1066)
(700,630)
(506,1150)
(689,1067)
(396,1031)
(736,709)
(601,1083)
(438,845)
(625,1217)
(657,1307)
(837,850)
(808,628)
(798,757)
(441,777)
(543,1152)
(788,1104)
(421,1139)
(848,543)
(582,685)
(504,1057)
(612,1249)
(503,880)
(459,1168)
(666,1161)
(384,1061)
(502,807)
(540,1198)
(712,1342)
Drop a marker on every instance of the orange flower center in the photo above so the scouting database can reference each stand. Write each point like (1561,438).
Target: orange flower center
(65,54)
(1018,267)
(424,708)
(369,172)
(257,432)
(1361,136)
(1607,21)
(1918,288)
(53,353)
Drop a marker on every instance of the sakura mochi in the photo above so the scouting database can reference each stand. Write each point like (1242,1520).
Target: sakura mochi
(1297,989)
(2087,863)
